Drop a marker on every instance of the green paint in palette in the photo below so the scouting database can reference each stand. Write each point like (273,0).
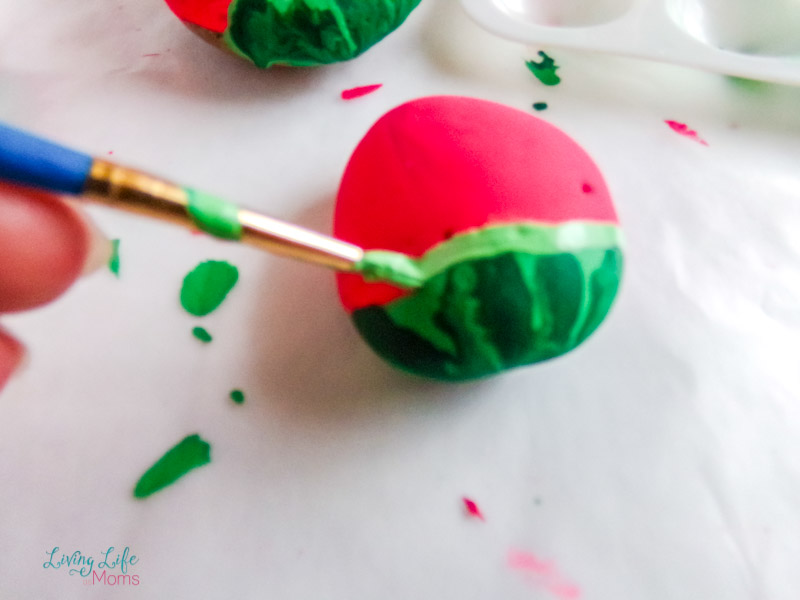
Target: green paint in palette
(188,454)
(207,285)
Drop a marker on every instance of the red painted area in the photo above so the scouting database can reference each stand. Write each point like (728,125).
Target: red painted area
(438,166)
(210,14)
(363,90)
(543,574)
(684,130)
(472,509)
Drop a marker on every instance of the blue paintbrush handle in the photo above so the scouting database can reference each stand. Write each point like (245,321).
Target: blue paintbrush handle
(32,161)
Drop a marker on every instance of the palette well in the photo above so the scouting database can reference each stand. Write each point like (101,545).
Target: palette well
(755,40)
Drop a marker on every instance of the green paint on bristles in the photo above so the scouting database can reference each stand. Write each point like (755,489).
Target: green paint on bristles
(188,454)
(213,215)
(544,70)
(237,396)
(207,285)
(202,334)
(113,261)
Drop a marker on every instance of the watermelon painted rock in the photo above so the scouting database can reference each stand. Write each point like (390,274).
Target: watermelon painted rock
(293,32)
(499,226)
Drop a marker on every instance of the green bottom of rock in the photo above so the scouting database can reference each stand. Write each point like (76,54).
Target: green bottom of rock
(479,317)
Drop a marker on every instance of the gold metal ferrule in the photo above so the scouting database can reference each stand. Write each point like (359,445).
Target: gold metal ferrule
(120,187)
(137,192)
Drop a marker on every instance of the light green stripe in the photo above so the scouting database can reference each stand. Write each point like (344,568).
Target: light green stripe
(531,238)
(214,215)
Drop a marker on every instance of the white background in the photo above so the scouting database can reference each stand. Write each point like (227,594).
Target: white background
(659,461)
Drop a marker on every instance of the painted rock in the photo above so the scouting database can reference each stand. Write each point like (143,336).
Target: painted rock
(293,32)
(505,220)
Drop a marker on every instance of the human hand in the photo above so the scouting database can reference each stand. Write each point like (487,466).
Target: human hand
(44,246)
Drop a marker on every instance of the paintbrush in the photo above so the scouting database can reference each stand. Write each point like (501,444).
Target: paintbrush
(34,162)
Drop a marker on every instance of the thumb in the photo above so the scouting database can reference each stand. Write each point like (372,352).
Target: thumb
(44,246)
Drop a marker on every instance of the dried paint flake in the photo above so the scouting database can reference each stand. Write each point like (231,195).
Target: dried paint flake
(472,509)
(544,70)
(363,90)
(206,286)
(684,130)
(113,261)
(540,106)
(237,396)
(543,574)
(190,453)
(202,334)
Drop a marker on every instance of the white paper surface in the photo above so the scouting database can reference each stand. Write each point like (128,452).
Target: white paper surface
(660,460)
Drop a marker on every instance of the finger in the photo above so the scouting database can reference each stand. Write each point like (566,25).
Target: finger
(11,355)
(43,247)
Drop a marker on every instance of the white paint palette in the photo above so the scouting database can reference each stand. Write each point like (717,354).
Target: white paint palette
(756,39)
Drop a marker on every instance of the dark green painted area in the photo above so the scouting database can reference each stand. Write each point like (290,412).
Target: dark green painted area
(237,396)
(190,453)
(544,70)
(311,32)
(540,106)
(483,316)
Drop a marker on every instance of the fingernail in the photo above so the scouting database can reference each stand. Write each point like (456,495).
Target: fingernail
(13,358)
(100,247)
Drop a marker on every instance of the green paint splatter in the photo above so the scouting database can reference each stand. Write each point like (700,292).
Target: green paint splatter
(310,32)
(188,454)
(201,334)
(214,215)
(113,261)
(545,70)
(206,286)
(237,396)
(540,106)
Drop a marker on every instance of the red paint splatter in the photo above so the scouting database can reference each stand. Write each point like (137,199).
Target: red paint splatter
(111,152)
(543,573)
(684,130)
(357,92)
(472,509)
(211,14)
